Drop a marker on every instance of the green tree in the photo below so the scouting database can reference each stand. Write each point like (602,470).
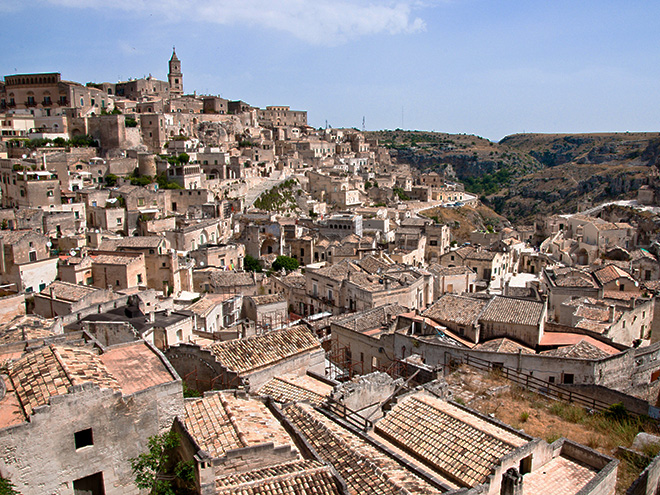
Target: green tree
(251,264)
(183,158)
(7,487)
(150,466)
(111,180)
(289,264)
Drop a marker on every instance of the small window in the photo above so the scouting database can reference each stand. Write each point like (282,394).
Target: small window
(139,278)
(568,378)
(83,438)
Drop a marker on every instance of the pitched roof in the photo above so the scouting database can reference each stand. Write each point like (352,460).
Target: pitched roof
(246,355)
(372,322)
(569,339)
(286,390)
(310,477)
(610,273)
(571,277)
(51,370)
(453,441)
(503,345)
(511,310)
(220,422)
(444,271)
(66,291)
(268,299)
(581,350)
(457,309)
(207,303)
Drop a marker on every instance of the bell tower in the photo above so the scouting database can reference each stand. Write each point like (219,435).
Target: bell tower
(175,76)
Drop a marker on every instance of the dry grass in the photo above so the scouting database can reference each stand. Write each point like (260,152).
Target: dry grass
(548,419)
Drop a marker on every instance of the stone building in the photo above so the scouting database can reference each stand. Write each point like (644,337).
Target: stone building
(175,76)
(268,312)
(25,260)
(118,270)
(24,186)
(73,407)
(249,362)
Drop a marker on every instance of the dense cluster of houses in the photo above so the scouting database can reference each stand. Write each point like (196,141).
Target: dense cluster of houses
(137,235)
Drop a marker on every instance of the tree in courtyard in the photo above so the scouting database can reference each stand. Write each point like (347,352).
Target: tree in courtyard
(156,471)
(289,264)
(251,264)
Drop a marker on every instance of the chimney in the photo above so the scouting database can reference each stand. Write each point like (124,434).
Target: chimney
(152,316)
(611,314)
(512,482)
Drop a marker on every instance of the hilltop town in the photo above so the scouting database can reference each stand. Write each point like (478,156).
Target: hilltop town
(285,304)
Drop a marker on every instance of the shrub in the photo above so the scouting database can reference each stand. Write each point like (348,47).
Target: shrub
(289,264)
(524,416)
(252,264)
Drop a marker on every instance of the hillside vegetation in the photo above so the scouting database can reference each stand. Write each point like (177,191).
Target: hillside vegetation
(526,175)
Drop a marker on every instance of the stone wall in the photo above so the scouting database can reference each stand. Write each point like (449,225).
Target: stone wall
(648,481)
(111,332)
(40,456)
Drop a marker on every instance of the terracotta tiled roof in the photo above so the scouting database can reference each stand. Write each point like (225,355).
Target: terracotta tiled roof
(50,371)
(309,477)
(503,345)
(610,273)
(206,304)
(511,310)
(481,256)
(66,291)
(457,309)
(581,350)
(221,422)
(371,264)
(455,442)
(370,319)
(574,278)
(285,391)
(359,473)
(113,259)
(26,327)
(245,355)
(443,271)
(268,299)
(210,425)
(569,339)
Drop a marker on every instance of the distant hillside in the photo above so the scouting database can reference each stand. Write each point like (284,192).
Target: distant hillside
(525,175)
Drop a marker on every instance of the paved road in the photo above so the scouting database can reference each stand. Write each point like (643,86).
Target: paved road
(467,198)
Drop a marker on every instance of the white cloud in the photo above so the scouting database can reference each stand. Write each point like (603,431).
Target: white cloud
(326,22)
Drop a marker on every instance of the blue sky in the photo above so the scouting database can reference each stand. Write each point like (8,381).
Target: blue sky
(489,68)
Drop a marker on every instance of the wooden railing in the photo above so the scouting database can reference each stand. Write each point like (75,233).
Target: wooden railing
(537,385)
(347,414)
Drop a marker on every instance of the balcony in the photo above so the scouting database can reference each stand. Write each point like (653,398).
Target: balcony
(30,103)
(47,103)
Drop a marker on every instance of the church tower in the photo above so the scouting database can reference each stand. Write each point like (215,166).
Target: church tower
(175,77)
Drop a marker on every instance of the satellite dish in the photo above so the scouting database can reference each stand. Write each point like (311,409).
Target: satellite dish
(201,263)
(49,244)
(72,252)
(24,156)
